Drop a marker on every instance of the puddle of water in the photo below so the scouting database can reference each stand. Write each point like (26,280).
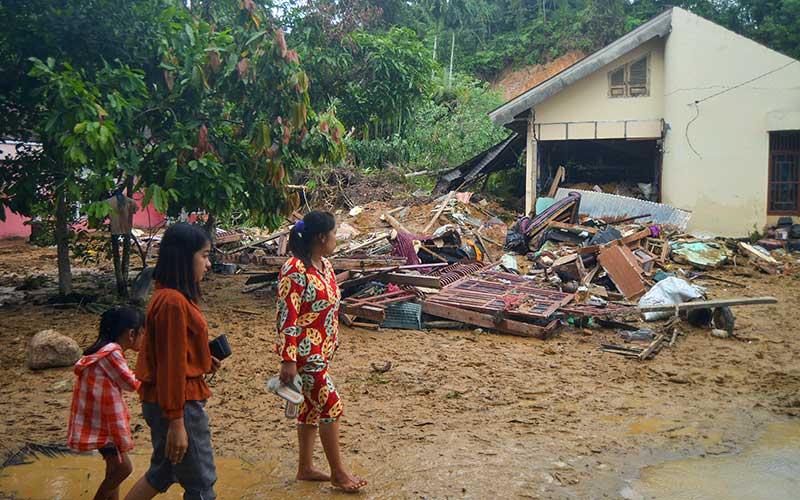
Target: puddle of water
(77,477)
(769,469)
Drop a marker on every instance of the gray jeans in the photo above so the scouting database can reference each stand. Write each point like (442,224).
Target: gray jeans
(196,473)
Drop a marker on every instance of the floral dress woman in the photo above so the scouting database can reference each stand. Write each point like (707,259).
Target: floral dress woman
(308,327)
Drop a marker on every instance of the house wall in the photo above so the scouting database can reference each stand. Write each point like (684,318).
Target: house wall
(724,183)
(588,100)
(14,226)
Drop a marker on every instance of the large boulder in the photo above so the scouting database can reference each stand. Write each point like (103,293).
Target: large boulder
(49,349)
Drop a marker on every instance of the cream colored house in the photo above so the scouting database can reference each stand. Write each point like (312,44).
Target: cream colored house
(709,119)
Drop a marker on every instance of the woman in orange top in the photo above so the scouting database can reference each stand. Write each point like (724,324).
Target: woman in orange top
(308,325)
(172,363)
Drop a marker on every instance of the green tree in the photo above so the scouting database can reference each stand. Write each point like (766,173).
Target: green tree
(205,119)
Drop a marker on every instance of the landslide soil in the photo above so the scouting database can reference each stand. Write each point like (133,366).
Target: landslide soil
(461,414)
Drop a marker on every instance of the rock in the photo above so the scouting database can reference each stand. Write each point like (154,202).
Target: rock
(720,334)
(49,349)
(477,331)
(65,385)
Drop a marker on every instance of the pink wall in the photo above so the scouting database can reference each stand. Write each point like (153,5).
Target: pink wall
(14,226)
(145,219)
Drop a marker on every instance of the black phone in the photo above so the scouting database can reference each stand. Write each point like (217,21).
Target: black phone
(220,348)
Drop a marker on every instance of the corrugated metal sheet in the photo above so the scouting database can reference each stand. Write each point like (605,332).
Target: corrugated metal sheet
(596,204)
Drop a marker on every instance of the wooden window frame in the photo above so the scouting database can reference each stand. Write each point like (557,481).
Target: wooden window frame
(796,153)
(626,72)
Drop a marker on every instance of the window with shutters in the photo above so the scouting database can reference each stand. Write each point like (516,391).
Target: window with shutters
(784,173)
(631,80)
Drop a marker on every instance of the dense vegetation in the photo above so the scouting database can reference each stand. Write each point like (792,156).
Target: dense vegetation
(220,105)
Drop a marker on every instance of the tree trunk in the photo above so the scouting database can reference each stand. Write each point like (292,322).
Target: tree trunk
(211,227)
(62,242)
(122,289)
(126,248)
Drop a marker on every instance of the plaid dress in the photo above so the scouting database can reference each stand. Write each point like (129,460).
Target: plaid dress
(99,416)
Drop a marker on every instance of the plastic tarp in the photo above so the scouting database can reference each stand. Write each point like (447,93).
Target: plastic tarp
(669,291)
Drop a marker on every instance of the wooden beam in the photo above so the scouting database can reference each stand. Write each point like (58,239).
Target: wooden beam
(411,279)
(573,227)
(271,237)
(531,167)
(512,327)
(372,313)
(438,212)
(655,344)
(709,304)
(750,251)
(560,173)
(363,245)
(483,244)
(341,263)
(431,252)
(395,224)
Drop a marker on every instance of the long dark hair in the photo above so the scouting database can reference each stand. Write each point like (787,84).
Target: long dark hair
(113,324)
(175,266)
(303,234)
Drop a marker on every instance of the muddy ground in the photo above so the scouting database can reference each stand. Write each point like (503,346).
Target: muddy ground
(461,414)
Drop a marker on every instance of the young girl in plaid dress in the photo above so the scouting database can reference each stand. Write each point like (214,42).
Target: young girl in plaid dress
(99,418)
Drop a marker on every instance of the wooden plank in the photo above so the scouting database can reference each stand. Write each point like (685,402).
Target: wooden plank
(411,279)
(627,240)
(434,254)
(655,344)
(573,227)
(590,275)
(710,304)
(372,313)
(488,321)
(438,212)
(395,224)
(361,246)
(342,263)
(483,244)
(564,260)
(560,173)
(751,252)
(256,243)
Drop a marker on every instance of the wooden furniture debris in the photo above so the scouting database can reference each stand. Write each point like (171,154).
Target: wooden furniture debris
(484,320)
(630,240)
(659,248)
(499,293)
(374,308)
(623,268)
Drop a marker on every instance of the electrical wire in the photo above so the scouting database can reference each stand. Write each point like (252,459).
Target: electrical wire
(697,102)
(686,132)
(744,83)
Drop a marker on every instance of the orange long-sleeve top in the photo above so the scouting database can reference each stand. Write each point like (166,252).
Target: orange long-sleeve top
(174,355)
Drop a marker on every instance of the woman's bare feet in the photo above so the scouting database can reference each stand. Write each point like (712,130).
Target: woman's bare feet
(312,474)
(347,482)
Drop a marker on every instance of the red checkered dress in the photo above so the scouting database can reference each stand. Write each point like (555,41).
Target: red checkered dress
(99,415)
